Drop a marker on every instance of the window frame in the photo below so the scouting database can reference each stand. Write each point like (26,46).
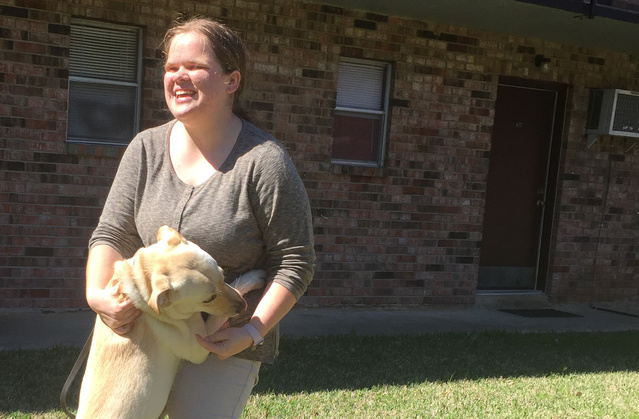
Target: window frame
(383,113)
(137,84)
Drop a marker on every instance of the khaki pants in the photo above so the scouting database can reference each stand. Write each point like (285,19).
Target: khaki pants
(214,389)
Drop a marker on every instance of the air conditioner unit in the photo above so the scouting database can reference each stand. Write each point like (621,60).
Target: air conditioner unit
(612,112)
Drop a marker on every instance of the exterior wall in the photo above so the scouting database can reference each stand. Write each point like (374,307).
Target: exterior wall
(405,234)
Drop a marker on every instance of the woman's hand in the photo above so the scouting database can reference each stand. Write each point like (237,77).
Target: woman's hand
(273,306)
(117,312)
(226,342)
(103,293)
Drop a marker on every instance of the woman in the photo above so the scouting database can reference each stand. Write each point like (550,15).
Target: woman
(226,186)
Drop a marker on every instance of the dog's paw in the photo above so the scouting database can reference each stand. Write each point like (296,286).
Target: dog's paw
(249,281)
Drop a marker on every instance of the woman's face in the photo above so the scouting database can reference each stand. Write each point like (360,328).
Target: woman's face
(194,84)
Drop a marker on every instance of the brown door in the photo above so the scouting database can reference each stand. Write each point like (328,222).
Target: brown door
(518,188)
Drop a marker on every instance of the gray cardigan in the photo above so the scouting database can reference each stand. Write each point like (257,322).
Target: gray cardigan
(252,213)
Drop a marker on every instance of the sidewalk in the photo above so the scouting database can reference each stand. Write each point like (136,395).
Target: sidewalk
(34,330)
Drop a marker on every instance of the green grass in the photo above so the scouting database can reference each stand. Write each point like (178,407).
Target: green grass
(491,375)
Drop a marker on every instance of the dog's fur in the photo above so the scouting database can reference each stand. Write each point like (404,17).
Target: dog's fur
(172,282)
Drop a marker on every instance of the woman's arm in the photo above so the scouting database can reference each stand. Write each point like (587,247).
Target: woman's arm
(103,297)
(276,302)
(282,211)
(116,238)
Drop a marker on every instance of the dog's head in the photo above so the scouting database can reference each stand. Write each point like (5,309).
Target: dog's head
(177,278)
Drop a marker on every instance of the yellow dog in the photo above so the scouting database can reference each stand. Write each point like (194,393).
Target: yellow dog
(171,282)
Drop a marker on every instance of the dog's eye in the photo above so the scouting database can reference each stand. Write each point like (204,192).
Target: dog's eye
(213,297)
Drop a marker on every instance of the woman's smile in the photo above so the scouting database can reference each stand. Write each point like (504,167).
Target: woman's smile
(184,95)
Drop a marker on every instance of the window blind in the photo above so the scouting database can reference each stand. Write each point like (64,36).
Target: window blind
(360,86)
(103,53)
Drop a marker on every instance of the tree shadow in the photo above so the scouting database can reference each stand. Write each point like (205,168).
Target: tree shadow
(355,362)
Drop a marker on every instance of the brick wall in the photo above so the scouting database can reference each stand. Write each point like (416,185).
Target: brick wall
(597,249)
(408,233)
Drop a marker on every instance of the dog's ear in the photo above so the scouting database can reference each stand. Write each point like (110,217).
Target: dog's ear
(161,292)
(171,236)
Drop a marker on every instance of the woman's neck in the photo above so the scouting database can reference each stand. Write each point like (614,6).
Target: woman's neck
(214,140)
(198,152)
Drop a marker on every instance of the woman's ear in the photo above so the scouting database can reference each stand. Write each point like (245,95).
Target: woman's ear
(233,82)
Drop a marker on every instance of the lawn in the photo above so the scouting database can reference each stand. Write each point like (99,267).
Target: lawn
(491,375)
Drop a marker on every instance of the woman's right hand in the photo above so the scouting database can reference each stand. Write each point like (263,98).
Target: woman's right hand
(115,311)
(103,292)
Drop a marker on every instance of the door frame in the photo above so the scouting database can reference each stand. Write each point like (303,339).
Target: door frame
(552,177)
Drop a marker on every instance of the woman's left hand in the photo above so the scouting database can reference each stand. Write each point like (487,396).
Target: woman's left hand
(226,342)
(275,303)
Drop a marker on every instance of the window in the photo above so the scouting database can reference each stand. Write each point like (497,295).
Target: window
(104,83)
(359,127)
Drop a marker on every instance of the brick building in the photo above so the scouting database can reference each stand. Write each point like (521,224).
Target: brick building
(443,151)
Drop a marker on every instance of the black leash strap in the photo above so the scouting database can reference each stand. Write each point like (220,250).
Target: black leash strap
(74,372)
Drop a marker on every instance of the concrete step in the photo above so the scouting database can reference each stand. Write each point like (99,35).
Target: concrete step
(504,300)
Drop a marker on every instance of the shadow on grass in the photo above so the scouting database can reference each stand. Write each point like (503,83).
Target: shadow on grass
(352,362)
(31,380)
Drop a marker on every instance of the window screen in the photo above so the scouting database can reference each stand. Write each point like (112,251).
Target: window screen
(104,83)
